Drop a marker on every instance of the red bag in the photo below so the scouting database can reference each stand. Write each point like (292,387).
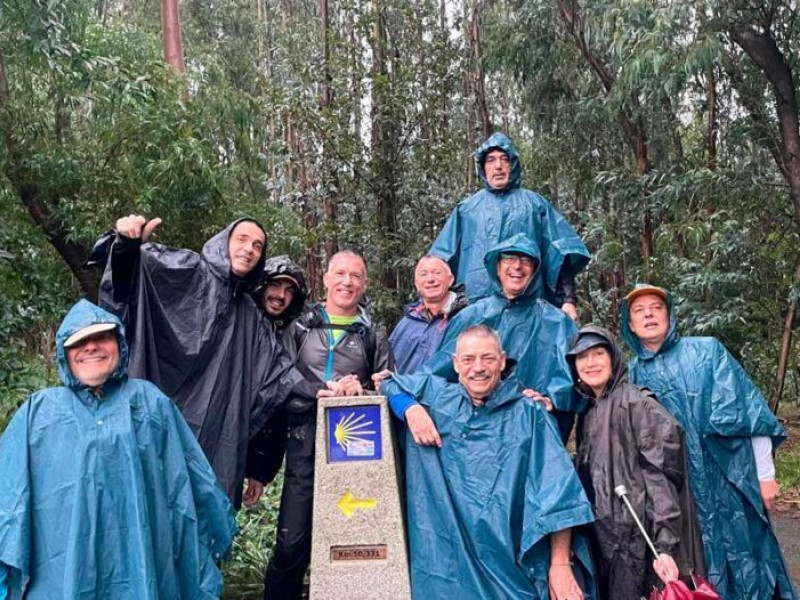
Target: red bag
(677,590)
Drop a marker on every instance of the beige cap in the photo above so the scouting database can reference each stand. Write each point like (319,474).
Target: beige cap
(643,289)
(85,332)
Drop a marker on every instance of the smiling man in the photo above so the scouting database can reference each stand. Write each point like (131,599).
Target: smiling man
(337,349)
(501,210)
(730,434)
(418,333)
(195,331)
(105,492)
(533,332)
(492,496)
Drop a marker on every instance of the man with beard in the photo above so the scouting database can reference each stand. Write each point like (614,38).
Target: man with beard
(195,331)
(282,294)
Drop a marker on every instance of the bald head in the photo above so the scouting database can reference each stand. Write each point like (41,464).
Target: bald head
(433,279)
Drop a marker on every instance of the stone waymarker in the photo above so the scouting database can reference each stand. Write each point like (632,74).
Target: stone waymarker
(358,548)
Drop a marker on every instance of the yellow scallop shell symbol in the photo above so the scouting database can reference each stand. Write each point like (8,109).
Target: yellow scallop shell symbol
(352,428)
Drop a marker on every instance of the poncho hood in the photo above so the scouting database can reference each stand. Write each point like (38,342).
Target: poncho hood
(516,243)
(619,370)
(276,266)
(215,253)
(499,141)
(82,314)
(633,341)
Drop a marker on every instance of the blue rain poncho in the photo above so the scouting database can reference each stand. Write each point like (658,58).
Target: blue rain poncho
(490,216)
(108,496)
(532,332)
(720,410)
(481,507)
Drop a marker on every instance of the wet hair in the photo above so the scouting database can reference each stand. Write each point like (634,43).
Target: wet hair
(483,331)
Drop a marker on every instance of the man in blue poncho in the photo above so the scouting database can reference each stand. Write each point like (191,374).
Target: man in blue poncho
(105,492)
(501,210)
(492,499)
(533,333)
(730,433)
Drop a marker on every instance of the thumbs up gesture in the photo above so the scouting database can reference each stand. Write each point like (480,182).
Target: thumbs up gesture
(136,227)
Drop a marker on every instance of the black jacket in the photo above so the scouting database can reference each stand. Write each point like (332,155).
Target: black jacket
(194,330)
(362,350)
(627,438)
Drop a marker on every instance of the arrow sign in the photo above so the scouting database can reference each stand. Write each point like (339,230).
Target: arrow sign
(349,504)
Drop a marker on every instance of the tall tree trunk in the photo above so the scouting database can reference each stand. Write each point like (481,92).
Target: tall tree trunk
(171,32)
(479,87)
(786,345)
(764,51)
(330,185)
(3,81)
(711,127)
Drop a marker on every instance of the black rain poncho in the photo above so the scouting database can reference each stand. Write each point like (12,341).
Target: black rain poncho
(627,438)
(195,331)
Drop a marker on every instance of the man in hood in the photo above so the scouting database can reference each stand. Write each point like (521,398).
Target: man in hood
(337,348)
(105,492)
(195,331)
(730,434)
(282,291)
(418,333)
(491,503)
(282,294)
(501,210)
(533,333)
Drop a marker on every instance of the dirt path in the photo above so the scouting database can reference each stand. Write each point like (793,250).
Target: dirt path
(787,528)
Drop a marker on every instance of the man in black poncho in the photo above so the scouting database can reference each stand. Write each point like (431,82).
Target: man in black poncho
(195,331)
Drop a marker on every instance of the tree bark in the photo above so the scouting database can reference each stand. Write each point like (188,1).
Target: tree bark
(786,345)
(479,76)
(3,81)
(171,32)
(711,128)
(764,51)
(330,184)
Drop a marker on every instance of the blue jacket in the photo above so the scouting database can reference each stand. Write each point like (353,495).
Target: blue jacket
(108,496)
(720,409)
(490,216)
(532,332)
(416,336)
(481,507)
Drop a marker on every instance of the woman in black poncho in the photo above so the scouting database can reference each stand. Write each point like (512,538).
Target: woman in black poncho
(627,438)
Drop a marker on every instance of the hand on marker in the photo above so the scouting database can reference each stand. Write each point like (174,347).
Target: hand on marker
(136,227)
(544,400)
(380,376)
(253,493)
(422,427)
(349,385)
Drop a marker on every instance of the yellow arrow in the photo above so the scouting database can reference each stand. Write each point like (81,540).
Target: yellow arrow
(349,504)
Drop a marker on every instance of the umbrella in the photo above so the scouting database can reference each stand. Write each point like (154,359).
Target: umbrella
(674,590)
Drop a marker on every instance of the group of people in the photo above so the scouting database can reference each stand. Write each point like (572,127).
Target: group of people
(198,374)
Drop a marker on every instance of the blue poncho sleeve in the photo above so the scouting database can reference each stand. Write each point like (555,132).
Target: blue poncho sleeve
(565,255)
(447,244)
(15,516)
(737,406)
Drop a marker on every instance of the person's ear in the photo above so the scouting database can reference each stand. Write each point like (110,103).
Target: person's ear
(455,364)
(502,361)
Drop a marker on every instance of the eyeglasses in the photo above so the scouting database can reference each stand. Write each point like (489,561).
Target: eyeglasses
(507,257)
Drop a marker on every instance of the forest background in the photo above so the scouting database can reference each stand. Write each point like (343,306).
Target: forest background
(665,131)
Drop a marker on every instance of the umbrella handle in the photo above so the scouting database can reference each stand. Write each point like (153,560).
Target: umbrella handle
(655,552)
